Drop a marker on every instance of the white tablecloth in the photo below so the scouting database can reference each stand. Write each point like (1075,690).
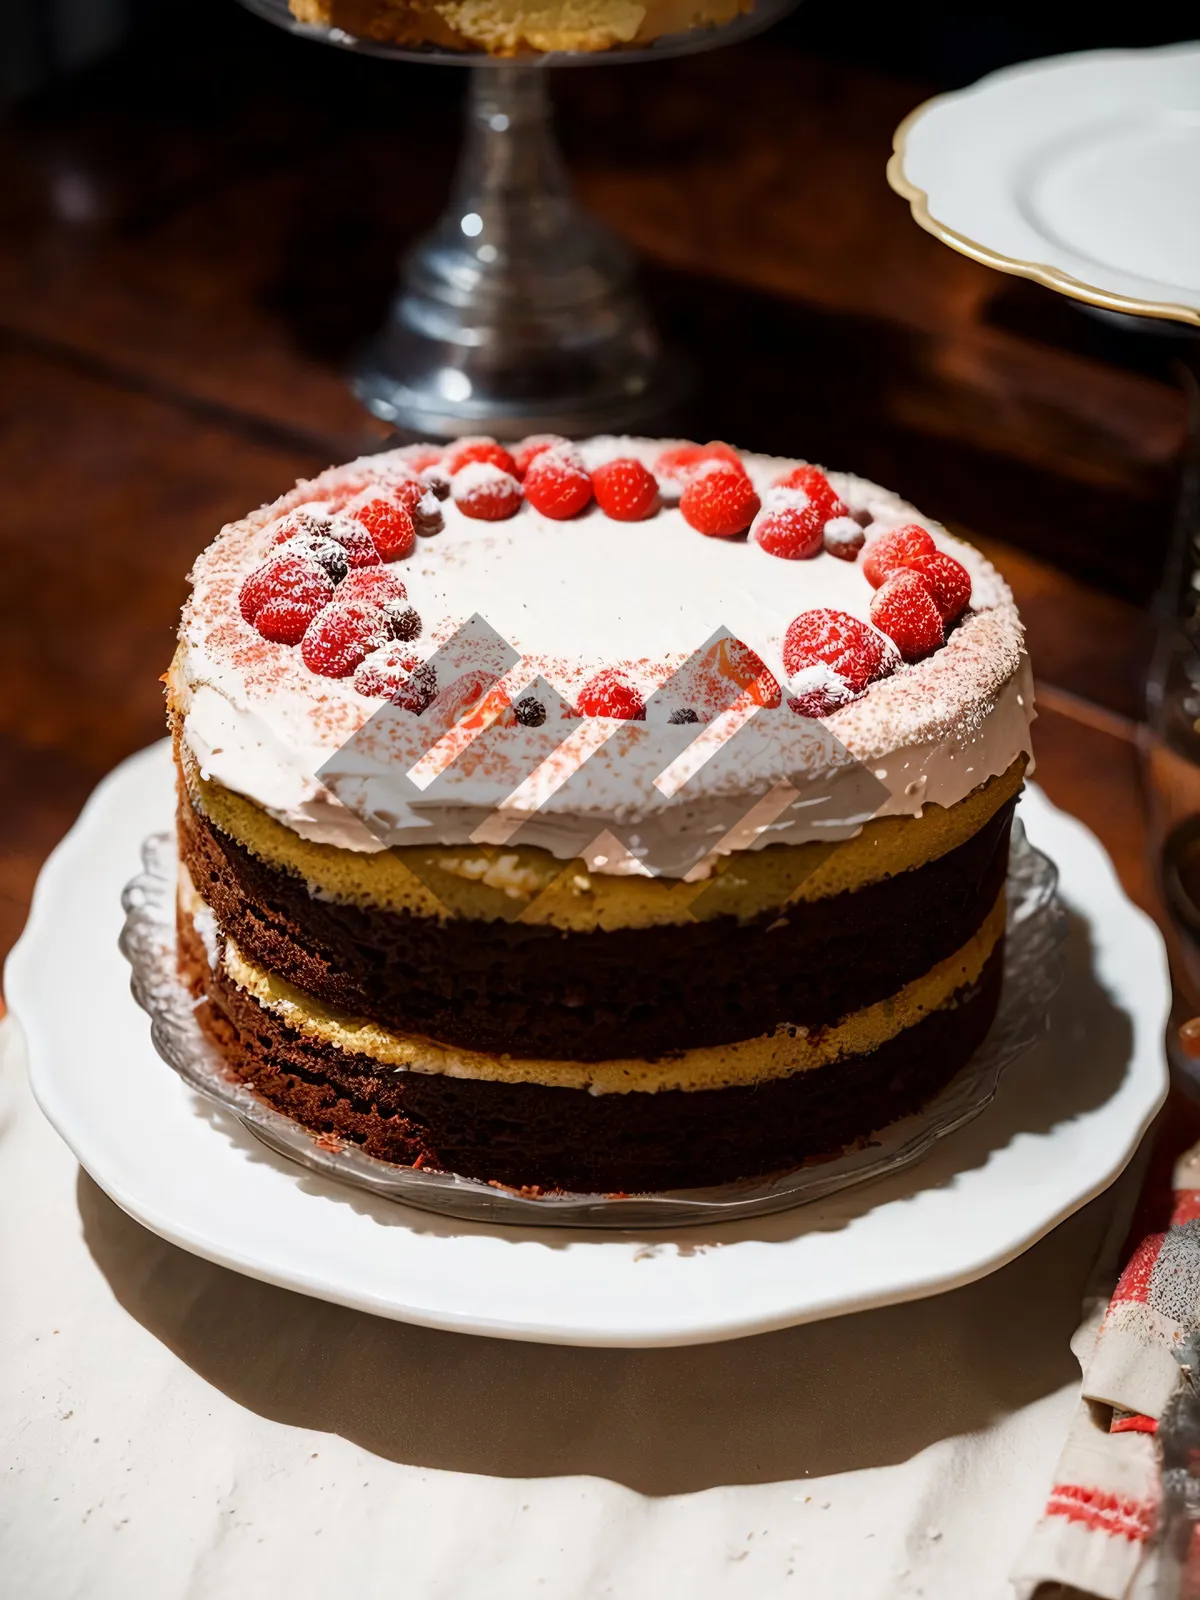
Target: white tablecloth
(169,1429)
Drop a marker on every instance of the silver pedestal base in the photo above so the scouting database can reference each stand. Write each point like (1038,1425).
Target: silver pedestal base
(519,312)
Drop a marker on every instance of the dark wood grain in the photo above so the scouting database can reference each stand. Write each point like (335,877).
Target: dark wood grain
(193,243)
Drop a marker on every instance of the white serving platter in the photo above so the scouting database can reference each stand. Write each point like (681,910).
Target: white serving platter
(1067,1118)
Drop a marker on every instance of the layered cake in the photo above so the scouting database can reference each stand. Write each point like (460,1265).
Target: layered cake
(611,817)
(505,28)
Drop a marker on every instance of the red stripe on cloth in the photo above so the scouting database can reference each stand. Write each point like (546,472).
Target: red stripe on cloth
(1187,1206)
(1116,1515)
(1134,1283)
(1133,1424)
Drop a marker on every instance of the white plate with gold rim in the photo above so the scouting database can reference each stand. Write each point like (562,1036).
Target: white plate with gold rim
(1078,171)
(1068,1116)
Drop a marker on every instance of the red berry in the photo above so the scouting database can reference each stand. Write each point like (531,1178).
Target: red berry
(718,450)
(464,451)
(374,584)
(817,487)
(388,523)
(294,587)
(483,490)
(524,453)
(824,699)
(835,657)
(354,540)
(843,538)
(737,664)
(420,499)
(462,698)
(557,483)
(319,548)
(719,500)
(625,490)
(673,465)
(256,589)
(947,580)
(385,670)
(284,621)
(421,457)
(609,694)
(789,525)
(677,463)
(299,522)
(893,549)
(345,632)
(903,609)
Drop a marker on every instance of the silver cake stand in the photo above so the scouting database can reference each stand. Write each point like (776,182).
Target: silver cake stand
(518,313)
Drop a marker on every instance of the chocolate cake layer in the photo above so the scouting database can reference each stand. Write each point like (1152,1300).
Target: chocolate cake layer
(589,996)
(533,1135)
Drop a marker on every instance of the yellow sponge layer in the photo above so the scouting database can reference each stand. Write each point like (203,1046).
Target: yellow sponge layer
(775,1055)
(483,881)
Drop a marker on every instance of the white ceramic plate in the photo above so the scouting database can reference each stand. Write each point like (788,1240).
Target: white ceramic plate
(1068,1116)
(1079,171)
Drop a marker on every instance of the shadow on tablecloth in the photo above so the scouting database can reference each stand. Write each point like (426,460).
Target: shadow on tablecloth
(861,1391)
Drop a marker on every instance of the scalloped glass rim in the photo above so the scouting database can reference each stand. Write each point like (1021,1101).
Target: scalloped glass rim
(763,14)
(1033,971)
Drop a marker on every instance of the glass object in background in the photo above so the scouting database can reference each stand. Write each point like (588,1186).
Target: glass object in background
(519,313)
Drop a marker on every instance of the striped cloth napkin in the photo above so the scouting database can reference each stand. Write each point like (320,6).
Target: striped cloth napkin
(1100,1531)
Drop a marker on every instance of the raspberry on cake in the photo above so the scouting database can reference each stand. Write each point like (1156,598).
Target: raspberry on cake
(895,547)
(524,453)
(718,499)
(465,451)
(947,580)
(485,491)
(610,694)
(790,525)
(387,521)
(557,483)
(904,609)
(639,987)
(813,483)
(625,490)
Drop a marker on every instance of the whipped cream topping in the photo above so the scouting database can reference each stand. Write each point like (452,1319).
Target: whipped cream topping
(575,597)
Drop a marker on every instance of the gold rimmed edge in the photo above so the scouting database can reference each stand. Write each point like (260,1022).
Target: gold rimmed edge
(1050,277)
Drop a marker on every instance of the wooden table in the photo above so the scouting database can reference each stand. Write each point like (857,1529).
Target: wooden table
(195,240)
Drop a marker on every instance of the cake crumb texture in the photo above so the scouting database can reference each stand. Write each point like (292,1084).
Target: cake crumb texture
(516,27)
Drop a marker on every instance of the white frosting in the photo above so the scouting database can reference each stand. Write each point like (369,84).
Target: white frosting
(573,597)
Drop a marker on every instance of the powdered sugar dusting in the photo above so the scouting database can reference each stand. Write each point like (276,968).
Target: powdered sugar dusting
(478,475)
(576,597)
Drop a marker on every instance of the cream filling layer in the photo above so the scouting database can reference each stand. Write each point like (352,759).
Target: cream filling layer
(787,1050)
(491,882)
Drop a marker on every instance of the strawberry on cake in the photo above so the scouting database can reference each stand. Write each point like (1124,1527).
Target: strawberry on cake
(609,817)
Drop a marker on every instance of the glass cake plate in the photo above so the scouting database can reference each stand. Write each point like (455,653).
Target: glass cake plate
(1033,968)
(519,312)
